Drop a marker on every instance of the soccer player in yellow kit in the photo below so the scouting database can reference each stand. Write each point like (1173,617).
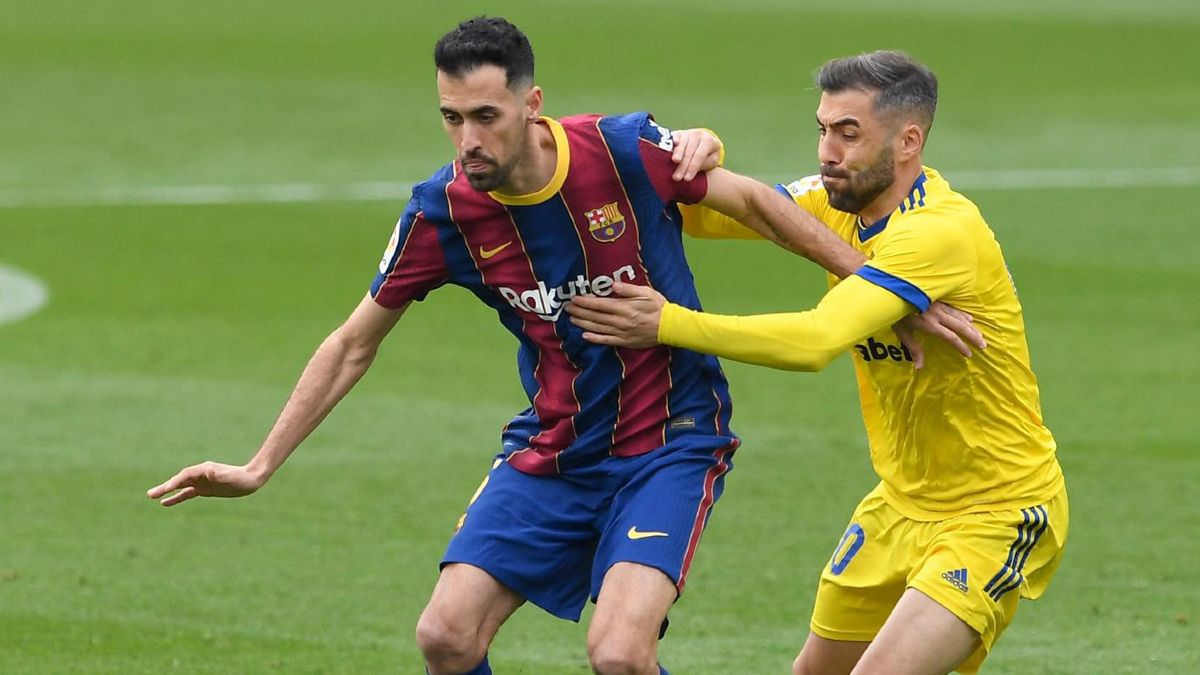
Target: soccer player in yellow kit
(971,510)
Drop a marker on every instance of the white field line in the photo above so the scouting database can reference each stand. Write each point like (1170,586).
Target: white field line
(296,193)
(20,294)
(280,193)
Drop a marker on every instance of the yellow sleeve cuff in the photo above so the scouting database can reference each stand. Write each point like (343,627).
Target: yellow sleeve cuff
(669,321)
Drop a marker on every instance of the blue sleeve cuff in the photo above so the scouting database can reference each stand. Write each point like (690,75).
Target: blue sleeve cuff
(906,291)
(779,187)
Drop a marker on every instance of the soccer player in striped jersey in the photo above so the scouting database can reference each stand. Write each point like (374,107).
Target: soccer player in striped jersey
(971,510)
(603,485)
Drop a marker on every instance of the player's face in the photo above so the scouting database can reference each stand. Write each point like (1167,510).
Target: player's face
(855,150)
(487,122)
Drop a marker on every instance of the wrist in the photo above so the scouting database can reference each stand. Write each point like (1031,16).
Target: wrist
(260,469)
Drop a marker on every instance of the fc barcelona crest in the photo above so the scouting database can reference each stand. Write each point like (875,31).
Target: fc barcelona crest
(606,223)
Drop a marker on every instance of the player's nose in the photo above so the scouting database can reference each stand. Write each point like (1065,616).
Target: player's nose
(470,139)
(827,152)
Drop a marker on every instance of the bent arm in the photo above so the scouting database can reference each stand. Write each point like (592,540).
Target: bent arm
(806,341)
(775,217)
(333,370)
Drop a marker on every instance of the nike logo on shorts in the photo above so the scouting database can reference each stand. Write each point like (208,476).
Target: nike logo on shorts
(635,535)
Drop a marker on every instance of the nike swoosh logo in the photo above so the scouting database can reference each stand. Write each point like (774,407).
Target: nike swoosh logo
(485,253)
(635,535)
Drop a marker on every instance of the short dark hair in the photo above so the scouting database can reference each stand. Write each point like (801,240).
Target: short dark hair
(902,82)
(486,40)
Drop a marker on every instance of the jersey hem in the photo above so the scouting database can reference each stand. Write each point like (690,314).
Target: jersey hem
(843,636)
(909,510)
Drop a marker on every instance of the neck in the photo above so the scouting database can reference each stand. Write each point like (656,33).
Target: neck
(536,169)
(891,198)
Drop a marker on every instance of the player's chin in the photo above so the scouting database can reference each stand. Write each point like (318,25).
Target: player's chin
(843,201)
(483,181)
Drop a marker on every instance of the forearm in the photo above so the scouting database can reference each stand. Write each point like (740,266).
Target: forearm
(332,371)
(794,341)
(784,341)
(781,220)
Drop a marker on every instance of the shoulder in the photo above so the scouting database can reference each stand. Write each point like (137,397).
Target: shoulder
(809,193)
(809,187)
(634,125)
(935,211)
(435,184)
(429,197)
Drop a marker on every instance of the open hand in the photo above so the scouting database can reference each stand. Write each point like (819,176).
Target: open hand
(209,479)
(943,321)
(629,318)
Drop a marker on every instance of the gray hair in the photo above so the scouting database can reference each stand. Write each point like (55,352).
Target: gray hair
(903,84)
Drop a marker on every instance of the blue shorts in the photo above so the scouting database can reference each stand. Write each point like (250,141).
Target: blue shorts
(553,538)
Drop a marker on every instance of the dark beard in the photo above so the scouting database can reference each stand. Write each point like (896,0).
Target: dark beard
(866,185)
(488,181)
(493,179)
(497,177)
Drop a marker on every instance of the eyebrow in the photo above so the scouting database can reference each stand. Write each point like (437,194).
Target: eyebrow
(473,111)
(842,122)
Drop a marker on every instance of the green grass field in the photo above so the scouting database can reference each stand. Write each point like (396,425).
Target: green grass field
(175,330)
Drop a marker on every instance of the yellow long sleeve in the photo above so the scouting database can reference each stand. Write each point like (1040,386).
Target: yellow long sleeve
(702,222)
(808,341)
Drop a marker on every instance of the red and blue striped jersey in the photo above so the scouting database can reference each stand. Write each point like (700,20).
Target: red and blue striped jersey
(608,215)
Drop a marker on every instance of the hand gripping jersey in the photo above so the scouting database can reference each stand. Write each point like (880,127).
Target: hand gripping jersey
(960,435)
(608,215)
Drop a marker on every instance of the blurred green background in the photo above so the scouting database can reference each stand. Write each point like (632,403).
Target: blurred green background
(205,189)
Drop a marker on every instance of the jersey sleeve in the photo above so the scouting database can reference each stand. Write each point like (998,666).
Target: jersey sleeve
(809,194)
(655,147)
(413,263)
(922,259)
(704,223)
(792,341)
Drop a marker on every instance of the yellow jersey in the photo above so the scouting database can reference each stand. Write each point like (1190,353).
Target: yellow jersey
(960,435)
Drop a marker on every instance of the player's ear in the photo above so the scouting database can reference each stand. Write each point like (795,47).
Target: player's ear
(912,140)
(533,104)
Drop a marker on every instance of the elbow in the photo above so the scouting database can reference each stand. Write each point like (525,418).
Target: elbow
(355,353)
(815,352)
(808,362)
(822,360)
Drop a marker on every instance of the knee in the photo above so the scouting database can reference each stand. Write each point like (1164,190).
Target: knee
(799,667)
(612,655)
(448,646)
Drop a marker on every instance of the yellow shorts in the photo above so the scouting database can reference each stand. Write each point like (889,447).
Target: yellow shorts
(975,565)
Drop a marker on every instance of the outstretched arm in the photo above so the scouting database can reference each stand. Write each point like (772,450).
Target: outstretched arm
(779,219)
(701,150)
(639,317)
(337,365)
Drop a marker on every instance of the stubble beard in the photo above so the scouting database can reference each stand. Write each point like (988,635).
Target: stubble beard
(492,178)
(865,185)
(495,177)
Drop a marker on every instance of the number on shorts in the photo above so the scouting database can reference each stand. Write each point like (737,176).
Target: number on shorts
(847,548)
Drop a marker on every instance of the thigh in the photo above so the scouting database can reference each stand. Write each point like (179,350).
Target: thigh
(631,607)
(921,637)
(822,656)
(533,534)
(659,512)
(978,566)
(866,574)
(468,600)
